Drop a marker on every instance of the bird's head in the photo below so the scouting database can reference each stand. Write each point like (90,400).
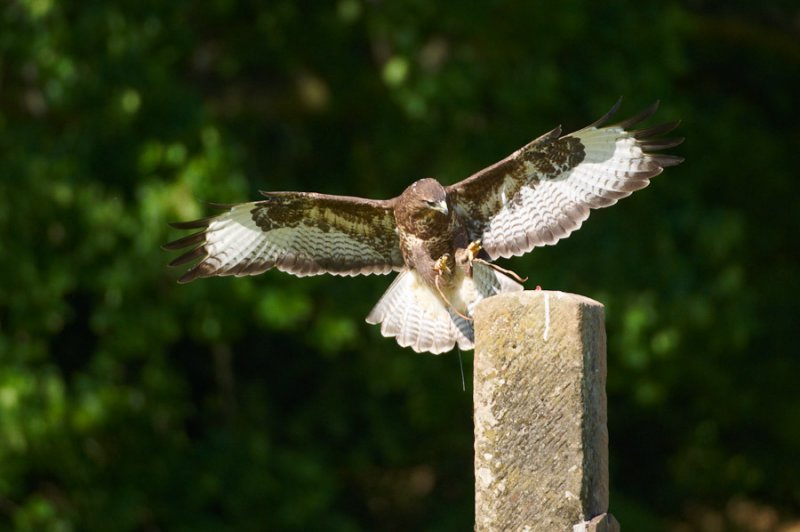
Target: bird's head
(429,198)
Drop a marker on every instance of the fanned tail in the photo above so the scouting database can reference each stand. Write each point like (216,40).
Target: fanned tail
(412,312)
(414,315)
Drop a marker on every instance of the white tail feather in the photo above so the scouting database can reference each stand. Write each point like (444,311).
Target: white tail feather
(415,315)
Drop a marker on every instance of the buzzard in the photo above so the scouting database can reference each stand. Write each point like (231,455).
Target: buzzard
(441,239)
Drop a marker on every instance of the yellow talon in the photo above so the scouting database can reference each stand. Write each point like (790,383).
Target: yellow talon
(441,266)
(473,249)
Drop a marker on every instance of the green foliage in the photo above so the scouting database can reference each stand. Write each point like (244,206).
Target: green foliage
(129,402)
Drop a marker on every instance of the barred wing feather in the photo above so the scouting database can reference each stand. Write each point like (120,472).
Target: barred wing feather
(544,191)
(296,232)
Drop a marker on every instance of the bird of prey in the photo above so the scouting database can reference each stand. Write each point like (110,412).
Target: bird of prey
(441,239)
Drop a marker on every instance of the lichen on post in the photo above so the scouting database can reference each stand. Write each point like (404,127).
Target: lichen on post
(541,441)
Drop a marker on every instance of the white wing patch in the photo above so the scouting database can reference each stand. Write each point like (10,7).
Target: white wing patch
(549,209)
(233,243)
(234,239)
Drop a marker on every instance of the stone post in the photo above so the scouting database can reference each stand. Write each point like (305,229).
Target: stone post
(541,441)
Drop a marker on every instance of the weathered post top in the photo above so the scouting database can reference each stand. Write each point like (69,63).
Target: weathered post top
(541,442)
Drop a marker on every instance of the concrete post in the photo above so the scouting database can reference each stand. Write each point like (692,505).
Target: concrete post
(541,441)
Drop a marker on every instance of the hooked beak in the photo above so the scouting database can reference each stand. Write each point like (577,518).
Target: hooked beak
(441,207)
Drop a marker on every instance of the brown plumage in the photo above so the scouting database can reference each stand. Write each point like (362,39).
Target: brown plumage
(442,240)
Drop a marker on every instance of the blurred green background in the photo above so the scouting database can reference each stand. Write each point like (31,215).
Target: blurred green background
(128,402)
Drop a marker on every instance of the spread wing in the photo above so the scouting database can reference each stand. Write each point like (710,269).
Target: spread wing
(302,233)
(544,191)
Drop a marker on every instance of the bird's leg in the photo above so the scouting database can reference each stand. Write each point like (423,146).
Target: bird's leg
(441,268)
(502,270)
(467,255)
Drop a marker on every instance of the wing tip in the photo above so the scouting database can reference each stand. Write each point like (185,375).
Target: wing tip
(655,131)
(606,117)
(660,144)
(665,161)
(189,256)
(641,116)
(203,269)
(192,224)
(195,238)
(187,277)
